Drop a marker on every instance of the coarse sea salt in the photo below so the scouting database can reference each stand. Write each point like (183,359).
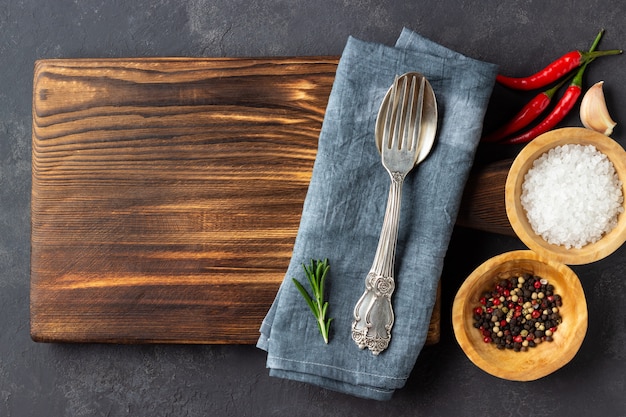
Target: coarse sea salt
(572,195)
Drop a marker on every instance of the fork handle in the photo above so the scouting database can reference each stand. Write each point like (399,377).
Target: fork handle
(373,313)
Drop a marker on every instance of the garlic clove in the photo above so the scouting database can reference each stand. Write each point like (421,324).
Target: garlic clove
(593,111)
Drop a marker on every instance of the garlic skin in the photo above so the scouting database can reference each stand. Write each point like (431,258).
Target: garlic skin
(593,111)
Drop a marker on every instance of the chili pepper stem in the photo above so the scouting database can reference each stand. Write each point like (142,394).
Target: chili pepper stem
(589,56)
(552,91)
(578,79)
(596,41)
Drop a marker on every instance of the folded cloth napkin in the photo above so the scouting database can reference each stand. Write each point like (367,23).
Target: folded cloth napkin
(343,213)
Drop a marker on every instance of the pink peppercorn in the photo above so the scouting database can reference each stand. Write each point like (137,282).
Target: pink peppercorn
(506,318)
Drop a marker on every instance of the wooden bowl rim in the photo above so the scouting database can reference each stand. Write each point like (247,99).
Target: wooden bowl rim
(517,217)
(508,364)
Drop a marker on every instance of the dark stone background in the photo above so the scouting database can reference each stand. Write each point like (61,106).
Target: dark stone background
(111,380)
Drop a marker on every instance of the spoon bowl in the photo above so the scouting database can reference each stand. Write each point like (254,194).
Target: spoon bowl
(428,130)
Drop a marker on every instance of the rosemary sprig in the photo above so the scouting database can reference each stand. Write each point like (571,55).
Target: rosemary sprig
(316,275)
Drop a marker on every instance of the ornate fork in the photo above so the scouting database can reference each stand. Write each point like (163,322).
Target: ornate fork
(373,313)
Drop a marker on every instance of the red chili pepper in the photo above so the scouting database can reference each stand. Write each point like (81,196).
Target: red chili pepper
(562,108)
(556,69)
(526,115)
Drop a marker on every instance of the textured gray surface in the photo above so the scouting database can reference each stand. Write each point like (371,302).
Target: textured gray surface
(111,380)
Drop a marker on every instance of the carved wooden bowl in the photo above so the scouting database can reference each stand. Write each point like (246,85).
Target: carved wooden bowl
(517,216)
(538,361)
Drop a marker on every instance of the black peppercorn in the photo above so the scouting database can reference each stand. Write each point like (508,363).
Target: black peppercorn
(519,313)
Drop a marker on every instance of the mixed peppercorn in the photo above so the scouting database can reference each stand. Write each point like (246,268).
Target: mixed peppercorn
(519,313)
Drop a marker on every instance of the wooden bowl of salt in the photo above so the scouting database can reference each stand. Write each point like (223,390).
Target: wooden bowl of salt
(560,207)
(544,358)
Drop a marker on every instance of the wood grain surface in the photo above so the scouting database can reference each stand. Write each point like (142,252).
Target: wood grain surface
(167,193)
(483,206)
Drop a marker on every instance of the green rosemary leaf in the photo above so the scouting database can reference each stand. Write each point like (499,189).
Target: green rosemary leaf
(320,270)
(324,308)
(328,325)
(310,275)
(305,295)
(323,274)
(316,274)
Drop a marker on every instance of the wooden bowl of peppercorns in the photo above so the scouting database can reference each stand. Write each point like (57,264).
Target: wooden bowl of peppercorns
(520,316)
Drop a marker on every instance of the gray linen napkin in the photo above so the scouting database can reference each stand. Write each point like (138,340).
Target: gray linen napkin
(343,213)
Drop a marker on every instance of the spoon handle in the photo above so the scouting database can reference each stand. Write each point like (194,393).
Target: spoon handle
(373,313)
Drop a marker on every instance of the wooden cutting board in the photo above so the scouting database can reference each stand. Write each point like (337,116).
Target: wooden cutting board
(167,193)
